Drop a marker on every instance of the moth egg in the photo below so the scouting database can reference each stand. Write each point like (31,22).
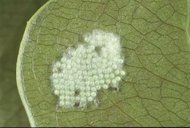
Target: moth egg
(93,94)
(105,86)
(117,78)
(90,98)
(56,92)
(61,103)
(122,73)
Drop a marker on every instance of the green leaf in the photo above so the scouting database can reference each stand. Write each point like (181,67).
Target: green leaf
(155,43)
(13,18)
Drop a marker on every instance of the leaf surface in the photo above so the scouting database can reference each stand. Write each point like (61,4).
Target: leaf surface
(155,43)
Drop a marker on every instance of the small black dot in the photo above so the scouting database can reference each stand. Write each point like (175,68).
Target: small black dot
(59,70)
(98,50)
(77,92)
(76,104)
(114,89)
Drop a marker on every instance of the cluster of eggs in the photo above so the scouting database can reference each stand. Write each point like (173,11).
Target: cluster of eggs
(81,72)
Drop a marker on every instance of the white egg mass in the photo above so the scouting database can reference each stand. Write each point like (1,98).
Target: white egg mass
(81,72)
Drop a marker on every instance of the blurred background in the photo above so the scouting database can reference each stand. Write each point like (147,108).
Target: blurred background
(14,15)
